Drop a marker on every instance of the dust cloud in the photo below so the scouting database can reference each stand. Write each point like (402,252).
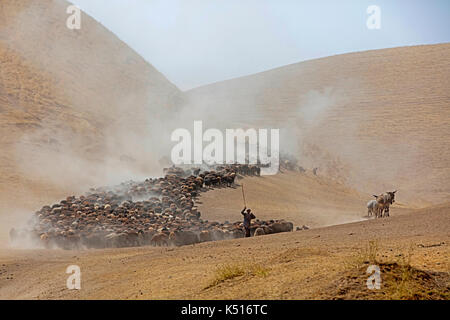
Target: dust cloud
(118,118)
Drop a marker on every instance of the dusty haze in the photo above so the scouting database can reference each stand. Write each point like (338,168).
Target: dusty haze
(81,109)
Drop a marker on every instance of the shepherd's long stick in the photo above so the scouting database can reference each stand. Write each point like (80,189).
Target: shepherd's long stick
(243,195)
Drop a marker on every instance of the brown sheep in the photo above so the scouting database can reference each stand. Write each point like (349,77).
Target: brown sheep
(282,226)
(181,238)
(205,236)
(160,239)
(259,232)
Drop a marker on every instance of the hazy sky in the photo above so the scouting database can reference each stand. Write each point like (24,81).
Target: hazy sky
(196,42)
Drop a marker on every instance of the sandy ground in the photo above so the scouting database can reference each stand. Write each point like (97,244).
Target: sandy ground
(297,265)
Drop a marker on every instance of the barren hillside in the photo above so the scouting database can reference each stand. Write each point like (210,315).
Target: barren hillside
(376,120)
(70,103)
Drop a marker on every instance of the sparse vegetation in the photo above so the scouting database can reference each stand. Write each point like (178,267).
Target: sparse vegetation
(371,252)
(402,287)
(409,283)
(234,270)
(400,280)
(365,256)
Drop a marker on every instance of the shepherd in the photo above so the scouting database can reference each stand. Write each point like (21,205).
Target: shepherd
(248,216)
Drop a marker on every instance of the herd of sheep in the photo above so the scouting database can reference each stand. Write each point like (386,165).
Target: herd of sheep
(159,212)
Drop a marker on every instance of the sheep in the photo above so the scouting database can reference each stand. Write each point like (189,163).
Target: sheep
(180,238)
(160,239)
(282,226)
(143,213)
(205,236)
(259,232)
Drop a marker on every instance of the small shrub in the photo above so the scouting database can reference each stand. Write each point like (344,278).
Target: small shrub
(231,271)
